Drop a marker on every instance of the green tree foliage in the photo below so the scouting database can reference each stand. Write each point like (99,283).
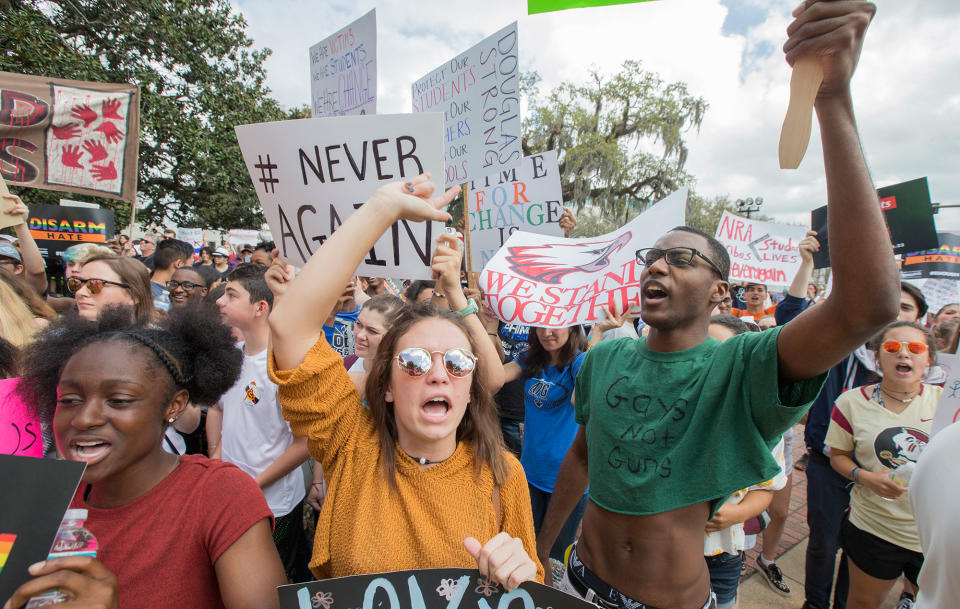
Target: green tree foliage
(619,139)
(199,76)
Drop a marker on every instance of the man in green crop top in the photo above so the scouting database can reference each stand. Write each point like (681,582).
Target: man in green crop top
(673,423)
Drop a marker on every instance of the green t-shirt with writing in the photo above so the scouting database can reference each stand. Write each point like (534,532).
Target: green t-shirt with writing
(668,430)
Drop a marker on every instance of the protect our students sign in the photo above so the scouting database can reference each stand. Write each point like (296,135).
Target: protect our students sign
(343,70)
(311,174)
(478,92)
(760,252)
(527,198)
(544,281)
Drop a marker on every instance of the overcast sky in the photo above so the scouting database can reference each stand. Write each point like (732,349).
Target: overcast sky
(906,90)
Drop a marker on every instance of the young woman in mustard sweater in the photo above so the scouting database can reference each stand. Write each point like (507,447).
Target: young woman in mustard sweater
(419,478)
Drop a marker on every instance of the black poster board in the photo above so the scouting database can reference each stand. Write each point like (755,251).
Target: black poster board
(940,263)
(422,589)
(907,212)
(36,493)
(55,228)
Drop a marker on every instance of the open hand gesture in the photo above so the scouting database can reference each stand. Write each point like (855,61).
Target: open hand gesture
(413,200)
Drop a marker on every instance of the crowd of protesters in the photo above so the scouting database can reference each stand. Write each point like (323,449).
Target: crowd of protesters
(246,424)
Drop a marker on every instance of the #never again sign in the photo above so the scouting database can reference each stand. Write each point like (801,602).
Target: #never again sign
(311,174)
(478,92)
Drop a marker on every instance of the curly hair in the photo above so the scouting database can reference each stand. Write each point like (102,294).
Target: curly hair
(191,344)
(480,424)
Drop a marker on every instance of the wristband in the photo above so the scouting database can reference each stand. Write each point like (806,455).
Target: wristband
(854,474)
(469,309)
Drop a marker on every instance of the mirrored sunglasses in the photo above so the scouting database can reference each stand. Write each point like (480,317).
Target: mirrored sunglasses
(417,361)
(894,346)
(94,285)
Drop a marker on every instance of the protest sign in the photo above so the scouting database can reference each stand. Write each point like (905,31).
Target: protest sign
(19,429)
(36,493)
(311,174)
(423,589)
(343,70)
(56,228)
(242,236)
(193,236)
(545,6)
(940,263)
(69,135)
(72,203)
(937,292)
(948,408)
(907,212)
(760,252)
(478,92)
(552,282)
(527,198)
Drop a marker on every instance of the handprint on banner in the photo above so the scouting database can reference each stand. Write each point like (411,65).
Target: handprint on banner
(66,132)
(95,149)
(85,114)
(104,172)
(110,131)
(109,107)
(71,156)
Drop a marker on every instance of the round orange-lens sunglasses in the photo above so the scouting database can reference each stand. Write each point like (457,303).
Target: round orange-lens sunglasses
(894,346)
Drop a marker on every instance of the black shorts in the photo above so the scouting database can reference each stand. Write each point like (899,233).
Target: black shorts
(878,557)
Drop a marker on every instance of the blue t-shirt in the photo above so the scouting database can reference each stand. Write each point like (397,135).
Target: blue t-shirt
(549,427)
(340,334)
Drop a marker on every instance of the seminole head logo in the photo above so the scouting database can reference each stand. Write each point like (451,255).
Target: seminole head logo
(551,262)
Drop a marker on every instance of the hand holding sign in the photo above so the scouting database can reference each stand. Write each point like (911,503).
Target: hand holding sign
(13,208)
(445,266)
(503,559)
(823,46)
(279,276)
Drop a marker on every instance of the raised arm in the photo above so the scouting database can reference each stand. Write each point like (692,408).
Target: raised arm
(295,324)
(866,285)
(446,271)
(34,269)
(795,301)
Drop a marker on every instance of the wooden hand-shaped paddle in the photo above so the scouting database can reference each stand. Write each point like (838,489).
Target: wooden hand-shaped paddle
(795,133)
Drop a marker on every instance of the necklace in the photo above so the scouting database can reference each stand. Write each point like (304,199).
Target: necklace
(424,460)
(902,401)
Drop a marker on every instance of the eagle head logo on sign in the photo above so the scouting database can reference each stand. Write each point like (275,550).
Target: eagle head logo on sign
(546,281)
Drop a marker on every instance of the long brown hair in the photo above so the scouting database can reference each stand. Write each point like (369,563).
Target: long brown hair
(480,424)
(25,291)
(137,276)
(537,358)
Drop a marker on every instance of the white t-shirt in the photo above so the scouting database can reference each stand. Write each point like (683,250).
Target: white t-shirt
(255,434)
(936,502)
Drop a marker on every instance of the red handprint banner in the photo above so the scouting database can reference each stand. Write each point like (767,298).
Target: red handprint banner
(69,135)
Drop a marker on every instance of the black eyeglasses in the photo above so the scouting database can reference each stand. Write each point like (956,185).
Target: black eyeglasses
(674,256)
(94,285)
(186,285)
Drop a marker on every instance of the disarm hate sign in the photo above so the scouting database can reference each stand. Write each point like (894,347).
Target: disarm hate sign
(311,174)
(478,92)
(527,198)
(550,282)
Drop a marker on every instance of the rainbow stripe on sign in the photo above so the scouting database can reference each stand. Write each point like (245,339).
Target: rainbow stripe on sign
(6,545)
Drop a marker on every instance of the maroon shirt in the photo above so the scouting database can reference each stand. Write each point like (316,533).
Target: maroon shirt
(163,545)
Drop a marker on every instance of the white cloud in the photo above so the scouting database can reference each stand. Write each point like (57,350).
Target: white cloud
(904,92)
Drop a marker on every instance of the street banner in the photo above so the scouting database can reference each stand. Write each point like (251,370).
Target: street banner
(343,70)
(760,252)
(69,135)
(20,432)
(36,493)
(311,174)
(527,198)
(942,262)
(551,282)
(545,6)
(907,212)
(423,589)
(56,228)
(478,92)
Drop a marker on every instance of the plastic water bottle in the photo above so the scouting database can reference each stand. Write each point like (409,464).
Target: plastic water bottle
(72,540)
(903,474)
